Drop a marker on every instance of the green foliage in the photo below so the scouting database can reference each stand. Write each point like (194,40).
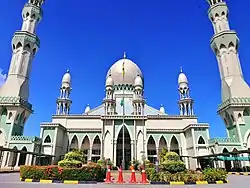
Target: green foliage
(162,154)
(215,174)
(173,166)
(86,173)
(135,163)
(171,156)
(73,159)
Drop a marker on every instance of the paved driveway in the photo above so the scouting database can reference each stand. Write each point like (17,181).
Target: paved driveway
(12,181)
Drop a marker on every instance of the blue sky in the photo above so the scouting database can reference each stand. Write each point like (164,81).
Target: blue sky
(160,36)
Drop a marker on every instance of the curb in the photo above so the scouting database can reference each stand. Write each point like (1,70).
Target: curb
(58,181)
(188,183)
(8,171)
(239,173)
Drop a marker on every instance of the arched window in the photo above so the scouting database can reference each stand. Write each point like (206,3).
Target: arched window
(246,112)
(47,139)
(201,140)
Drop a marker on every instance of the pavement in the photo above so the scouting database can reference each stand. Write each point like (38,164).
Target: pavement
(12,180)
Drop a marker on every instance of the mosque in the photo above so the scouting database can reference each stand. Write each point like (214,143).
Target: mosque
(123,127)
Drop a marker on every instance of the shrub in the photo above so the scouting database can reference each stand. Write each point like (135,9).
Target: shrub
(171,156)
(173,166)
(73,159)
(214,174)
(86,173)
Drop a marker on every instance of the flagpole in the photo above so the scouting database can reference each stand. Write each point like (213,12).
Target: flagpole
(123,114)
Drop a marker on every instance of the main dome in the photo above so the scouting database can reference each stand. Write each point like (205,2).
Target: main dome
(131,72)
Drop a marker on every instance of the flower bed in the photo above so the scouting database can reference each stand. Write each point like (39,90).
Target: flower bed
(91,172)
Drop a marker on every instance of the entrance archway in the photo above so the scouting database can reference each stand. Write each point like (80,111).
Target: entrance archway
(13,157)
(22,158)
(127,148)
(228,165)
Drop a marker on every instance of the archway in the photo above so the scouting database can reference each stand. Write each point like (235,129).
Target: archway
(174,145)
(96,149)
(236,163)
(85,147)
(74,144)
(47,140)
(151,149)
(22,158)
(127,148)
(162,143)
(140,149)
(3,119)
(228,165)
(13,157)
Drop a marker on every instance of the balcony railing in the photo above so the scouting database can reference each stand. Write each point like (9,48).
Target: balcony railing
(26,138)
(223,140)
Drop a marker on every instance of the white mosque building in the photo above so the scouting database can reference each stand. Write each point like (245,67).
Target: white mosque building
(123,126)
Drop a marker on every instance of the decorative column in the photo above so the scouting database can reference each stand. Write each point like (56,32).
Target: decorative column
(132,143)
(17,160)
(114,151)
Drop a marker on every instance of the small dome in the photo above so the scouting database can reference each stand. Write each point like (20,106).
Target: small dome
(162,109)
(109,81)
(66,78)
(138,81)
(87,109)
(182,78)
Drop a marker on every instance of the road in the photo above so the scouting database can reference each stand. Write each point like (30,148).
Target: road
(12,180)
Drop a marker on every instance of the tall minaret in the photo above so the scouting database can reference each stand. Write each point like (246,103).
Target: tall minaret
(225,46)
(235,92)
(25,44)
(64,102)
(185,102)
(14,94)
(138,100)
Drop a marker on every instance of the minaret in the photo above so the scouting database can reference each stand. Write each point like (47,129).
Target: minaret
(14,94)
(185,102)
(138,100)
(25,44)
(225,46)
(109,101)
(64,102)
(235,92)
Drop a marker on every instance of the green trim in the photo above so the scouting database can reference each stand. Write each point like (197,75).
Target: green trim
(235,101)
(15,100)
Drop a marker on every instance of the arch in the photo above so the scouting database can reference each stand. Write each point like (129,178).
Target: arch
(229,119)
(216,15)
(127,147)
(13,157)
(140,148)
(34,51)
(162,143)
(223,13)
(96,149)
(228,165)
(225,121)
(239,117)
(247,138)
(246,112)
(232,117)
(13,46)
(120,130)
(22,159)
(27,14)
(2,138)
(21,117)
(107,144)
(174,145)
(19,45)
(231,44)
(10,115)
(222,46)
(151,149)
(201,140)
(33,16)
(47,139)
(27,47)
(74,143)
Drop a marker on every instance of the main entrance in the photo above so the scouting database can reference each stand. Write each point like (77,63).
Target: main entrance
(127,148)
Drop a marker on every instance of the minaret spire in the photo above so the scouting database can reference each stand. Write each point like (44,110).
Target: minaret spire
(64,102)
(225,46)
(25,44)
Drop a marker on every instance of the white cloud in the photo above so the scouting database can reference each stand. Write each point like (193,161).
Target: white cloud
(2,77)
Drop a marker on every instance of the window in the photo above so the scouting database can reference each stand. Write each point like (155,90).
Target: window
(201,140)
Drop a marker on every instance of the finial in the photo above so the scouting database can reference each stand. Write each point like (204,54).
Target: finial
(67,71)
(124,55)
(181,68)
(161,105)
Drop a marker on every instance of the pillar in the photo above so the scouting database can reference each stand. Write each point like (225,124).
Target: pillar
(17,160)
(132,143)
(114,151)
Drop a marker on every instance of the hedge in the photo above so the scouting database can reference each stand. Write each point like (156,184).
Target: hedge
(92,172)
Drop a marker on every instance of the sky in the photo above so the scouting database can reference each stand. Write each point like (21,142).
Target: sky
(160,36)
